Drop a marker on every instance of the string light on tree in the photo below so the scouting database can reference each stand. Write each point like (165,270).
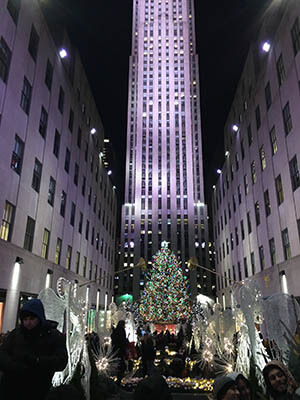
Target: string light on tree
(166,297)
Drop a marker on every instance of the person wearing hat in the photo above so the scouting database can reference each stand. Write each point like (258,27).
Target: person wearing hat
(242,384)
(31,354)
(280,383)
(225,388)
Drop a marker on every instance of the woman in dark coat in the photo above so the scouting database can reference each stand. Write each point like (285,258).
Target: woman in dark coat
(120,346)
(30,355)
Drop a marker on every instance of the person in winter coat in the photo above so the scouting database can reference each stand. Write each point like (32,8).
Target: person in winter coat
(280,383)
(119,343)
(153,387)
(148,354)
(242,384)
(225,388)
(30,355)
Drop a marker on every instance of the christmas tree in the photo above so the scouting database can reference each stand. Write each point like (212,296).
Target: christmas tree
(165,298)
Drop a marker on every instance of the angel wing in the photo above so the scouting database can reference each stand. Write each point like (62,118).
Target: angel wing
(54,306)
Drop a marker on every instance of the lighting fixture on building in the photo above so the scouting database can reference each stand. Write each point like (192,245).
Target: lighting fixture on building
(235,128)
(219,171)
(266,47)
(19,260)
(63,53)
(109,172)
(93,131)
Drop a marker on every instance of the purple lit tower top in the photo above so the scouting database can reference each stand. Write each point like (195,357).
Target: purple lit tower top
(164,194)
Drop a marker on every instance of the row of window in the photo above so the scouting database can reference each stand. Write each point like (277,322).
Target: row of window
(295,182)
(7,228)
(237,272)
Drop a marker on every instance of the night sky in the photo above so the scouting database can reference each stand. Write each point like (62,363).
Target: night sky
(101,30)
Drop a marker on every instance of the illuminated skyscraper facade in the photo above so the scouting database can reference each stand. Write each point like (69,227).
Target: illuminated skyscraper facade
(164,193)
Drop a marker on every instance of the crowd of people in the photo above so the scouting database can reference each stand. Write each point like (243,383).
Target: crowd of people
(35,350)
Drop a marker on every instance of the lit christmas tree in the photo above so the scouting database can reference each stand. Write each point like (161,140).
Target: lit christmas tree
(165,298)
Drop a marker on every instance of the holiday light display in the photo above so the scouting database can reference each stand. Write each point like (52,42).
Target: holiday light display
(165,298)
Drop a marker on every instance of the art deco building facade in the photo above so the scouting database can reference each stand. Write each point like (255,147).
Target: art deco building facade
(256,201)
(57,202)
(164,196)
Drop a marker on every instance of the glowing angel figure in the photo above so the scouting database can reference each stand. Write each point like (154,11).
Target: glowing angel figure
(68,306)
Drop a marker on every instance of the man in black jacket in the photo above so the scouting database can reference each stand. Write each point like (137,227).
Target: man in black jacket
(31,354)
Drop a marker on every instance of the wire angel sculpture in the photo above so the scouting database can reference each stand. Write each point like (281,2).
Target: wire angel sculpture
(69,309)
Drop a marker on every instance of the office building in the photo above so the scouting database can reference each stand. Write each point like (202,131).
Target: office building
(256,201)
(57,202)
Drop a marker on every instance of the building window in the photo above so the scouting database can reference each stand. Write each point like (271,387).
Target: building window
(239,194)
(87,228)
(242,230)
(253,172)
(249,134)
(7,221)
(37,175)
(17,155)
(267,203)
(73,212)
(294,172)
(76,174)
(280,70)
(272,251)
(43,122)
(79,135)
(33,43)
(246,186)
(63,203)
(261,257)
(257,213)
(45,244)
(71,120)
(262,155)
(257,117)
(69,257)
(13,7)
(77,262)
(246,267)
(252,260)
(249,222)
(26,96)
(83,186)
(56,144)
(295,32)
(84,266)
(67,160)
(80,223)
(49,75)
(268,95)
(279,190)
(286,244)
(29,234)
(61,99)
(287,119)
(58,251)
(51,191)
(273,141)
(5,57)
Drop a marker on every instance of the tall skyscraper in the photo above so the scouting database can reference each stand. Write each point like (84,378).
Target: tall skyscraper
(164,194)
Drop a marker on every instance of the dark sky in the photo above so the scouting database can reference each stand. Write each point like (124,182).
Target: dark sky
(101,29)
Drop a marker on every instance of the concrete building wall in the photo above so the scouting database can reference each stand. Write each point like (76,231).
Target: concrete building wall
(98,204)
(252,167)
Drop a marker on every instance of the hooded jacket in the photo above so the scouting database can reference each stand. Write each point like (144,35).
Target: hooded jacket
(29,358)
(291,383)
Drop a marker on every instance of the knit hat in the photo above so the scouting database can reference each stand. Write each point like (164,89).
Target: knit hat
(221,385)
